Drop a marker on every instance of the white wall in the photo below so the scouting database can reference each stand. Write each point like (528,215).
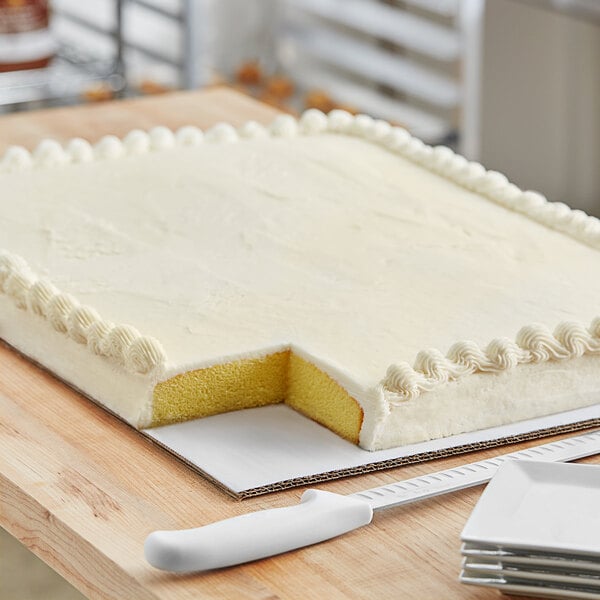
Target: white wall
(540,101)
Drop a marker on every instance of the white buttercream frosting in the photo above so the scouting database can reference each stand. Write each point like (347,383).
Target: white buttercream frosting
(17,286)
(253,130)
(313,121)
(340,121)
(189,136)
(161,138)
(97,334)
(16,158)
(58,310)
(442,160)
(78,322)
(284,126)
(80,150)
(137,142)
(39,296)
(350,204)
(221,133)
(49,153)
(123,343)
(110,146)
(534,343)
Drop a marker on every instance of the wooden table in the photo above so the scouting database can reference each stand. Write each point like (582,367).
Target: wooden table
(82,490)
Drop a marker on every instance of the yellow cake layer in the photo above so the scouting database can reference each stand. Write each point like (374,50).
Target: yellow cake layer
(239,384)
(318,396)
(247,383)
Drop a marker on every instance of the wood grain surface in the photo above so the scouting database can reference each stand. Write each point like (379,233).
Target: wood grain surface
(82,490)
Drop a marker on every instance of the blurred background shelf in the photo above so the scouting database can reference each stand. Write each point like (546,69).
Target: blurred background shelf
(381,66)
(386,22)
(70,76)
(371,56)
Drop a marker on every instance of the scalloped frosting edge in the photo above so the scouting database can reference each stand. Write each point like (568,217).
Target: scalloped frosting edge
(122,344)
(142,354)
(439,159)
(533,344)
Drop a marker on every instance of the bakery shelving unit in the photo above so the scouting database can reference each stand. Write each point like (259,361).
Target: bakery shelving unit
(181,16)
(71,72)
(74,70)
(410,62)
(63,82)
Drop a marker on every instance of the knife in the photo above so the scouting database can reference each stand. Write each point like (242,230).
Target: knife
(323,515)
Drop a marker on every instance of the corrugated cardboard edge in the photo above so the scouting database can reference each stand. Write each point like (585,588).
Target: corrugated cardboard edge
(412,459)
(340,473)
(382,465)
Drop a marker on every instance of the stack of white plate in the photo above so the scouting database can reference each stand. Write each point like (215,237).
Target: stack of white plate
(536,531)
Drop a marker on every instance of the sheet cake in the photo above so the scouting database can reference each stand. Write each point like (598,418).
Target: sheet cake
(392,291)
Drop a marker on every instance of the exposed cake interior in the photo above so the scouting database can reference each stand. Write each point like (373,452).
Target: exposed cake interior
(248,383)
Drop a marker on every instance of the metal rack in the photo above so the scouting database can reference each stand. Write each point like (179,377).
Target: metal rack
(72,71)
(412,62)
(61,83)
(404,61)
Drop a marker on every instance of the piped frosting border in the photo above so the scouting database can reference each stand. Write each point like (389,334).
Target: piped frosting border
(534,344)
(123,344)
(439,159)
(142,354)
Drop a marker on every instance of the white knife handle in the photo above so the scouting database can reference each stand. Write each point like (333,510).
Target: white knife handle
(319,516)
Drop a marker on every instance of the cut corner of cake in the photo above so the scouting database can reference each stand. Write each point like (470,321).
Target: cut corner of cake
(391,291)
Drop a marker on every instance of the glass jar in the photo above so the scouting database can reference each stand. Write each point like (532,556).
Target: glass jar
(25,38)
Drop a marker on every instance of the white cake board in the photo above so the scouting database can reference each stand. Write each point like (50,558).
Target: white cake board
(259,450)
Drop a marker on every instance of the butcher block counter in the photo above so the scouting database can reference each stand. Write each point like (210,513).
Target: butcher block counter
(82,490)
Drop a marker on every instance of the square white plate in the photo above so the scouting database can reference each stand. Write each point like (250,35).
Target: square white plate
(516,573)
(531,589)
(566,562)
(539,506)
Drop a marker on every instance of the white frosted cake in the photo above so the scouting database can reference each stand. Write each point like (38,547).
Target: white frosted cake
(391,291)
